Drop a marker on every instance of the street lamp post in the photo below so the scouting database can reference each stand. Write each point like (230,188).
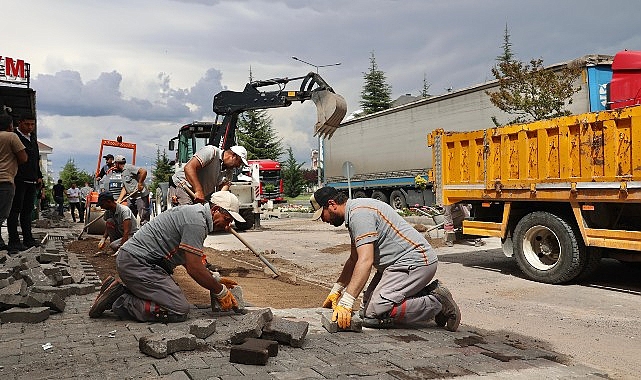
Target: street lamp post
(321,158)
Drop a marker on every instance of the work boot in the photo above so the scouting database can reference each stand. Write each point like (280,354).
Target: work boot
(106,283)
(375,323)
(106,299)
(450,314)
(167,317)
(15,247)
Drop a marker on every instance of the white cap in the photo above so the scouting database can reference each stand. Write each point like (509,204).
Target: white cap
(228,201)
(240,151)
(120,159)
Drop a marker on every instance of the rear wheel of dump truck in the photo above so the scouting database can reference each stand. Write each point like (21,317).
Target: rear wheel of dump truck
(380,196)
(397,200)
(359,194)
(547,249)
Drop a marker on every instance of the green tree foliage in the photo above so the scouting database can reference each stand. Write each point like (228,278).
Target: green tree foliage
(376,94)
(162,169)
(293,182)
(70,174)
(256,133)
(529,91)
(425,92)
(310,177)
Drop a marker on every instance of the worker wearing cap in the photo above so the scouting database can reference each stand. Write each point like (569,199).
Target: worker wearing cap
(147,260)
(400,292)
(209,170)
(120,222)
(109,163)
(133,184)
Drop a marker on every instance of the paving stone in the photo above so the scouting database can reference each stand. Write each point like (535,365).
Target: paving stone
(270,345)
(286,332)
(202,328)
(62,291)
(251,325)
(332,327)
(24,315)
(50,300)
(46,258)
(251,352)
(80,289)
(5,274)
(6,282)
(161,345)
(303,373)
(13,288)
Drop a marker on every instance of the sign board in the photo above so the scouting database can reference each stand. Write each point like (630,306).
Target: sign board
(15,71)
(348,172)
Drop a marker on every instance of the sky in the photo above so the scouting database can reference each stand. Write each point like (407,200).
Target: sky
(141,68)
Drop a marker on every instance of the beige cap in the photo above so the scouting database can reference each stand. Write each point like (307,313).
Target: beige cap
(228,201)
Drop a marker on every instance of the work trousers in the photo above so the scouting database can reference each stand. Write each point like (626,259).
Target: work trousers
(151,291)
(60,205)
(7,190)
(140,206)
(22,206)
(392,293)
(76,205)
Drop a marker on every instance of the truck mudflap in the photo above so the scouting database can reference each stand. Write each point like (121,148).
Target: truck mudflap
(331,109)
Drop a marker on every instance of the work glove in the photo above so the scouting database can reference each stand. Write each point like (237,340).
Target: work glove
(101,243)
(332,299)
(228,282)
(343,311)
(226,300)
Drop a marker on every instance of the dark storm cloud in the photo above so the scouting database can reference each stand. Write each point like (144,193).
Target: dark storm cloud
(65,94)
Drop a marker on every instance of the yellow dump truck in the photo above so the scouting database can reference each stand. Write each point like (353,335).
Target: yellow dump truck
(560,193)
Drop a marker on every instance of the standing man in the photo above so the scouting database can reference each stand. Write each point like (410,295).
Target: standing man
(120,222)
(73,195)
(59,196)
(109,163)
(12,153)
(209,170)
(28,178)
(405,265)
(84,193)
(133,184)
(145,263)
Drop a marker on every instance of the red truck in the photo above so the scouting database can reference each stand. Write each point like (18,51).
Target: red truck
(271,182)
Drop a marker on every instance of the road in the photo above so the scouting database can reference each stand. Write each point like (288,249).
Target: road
(595,323)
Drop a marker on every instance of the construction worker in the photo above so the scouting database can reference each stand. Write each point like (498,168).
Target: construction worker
(400,292)
(120,222)
(133,184)
(12,154)
(209,170)
(109,163)
(146,261)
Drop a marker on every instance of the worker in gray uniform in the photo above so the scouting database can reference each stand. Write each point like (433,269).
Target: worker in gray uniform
(120,222)
(146,291)
(401,291)
(133,185)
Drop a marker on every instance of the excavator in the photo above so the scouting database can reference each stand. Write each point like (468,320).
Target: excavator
(331,109)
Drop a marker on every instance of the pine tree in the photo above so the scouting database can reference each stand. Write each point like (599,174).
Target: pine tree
(256,133)
(70,174)
(376,94)
(293,182)
(162,169)
(530,91)
(426,87)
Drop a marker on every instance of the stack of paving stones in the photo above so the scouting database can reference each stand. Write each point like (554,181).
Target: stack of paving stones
(35,283)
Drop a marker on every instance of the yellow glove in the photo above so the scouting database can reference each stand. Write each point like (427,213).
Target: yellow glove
(226,299)
(332,299)
(101,243)
(228,282)
(343,316)
(343,311)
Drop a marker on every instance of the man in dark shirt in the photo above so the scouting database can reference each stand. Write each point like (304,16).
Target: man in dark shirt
(59,196)
(28,178)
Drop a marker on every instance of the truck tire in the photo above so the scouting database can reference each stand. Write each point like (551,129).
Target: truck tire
(359,194)
(547,249)
(380,196)
(397,200)
(248,215)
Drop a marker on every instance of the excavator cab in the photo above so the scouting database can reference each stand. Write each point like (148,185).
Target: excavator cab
(331,107)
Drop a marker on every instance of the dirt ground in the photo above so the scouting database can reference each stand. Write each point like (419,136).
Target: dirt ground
(259,288)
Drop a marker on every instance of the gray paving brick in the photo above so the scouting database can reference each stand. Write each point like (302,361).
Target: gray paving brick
(285,331)
(202,328)
(161,345)
(332,327)
(170,365)
(251,325)
(25,315)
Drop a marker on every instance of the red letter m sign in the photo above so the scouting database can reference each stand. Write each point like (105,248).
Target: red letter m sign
(14,69)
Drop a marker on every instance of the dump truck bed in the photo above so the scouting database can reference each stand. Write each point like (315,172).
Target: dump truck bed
(583,158)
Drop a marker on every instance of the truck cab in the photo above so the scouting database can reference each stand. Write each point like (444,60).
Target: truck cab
(271,181)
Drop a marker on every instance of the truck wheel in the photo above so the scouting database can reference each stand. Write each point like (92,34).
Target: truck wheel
(397,200)
(248,215)
(547,249)
(380,196)
(359,194)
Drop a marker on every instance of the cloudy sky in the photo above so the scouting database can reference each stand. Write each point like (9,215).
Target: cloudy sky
(142,68)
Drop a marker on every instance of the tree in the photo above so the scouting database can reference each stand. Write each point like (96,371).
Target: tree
(310,177)
(426,87)
(530,91)
(293,182)
(376,94)
(256,133)
(70,174)
(162,170)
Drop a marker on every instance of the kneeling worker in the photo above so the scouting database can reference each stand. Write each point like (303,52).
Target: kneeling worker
(400,292)
(147,260)
(120,222)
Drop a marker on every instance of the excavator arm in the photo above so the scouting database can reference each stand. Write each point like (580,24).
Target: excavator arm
(331,107)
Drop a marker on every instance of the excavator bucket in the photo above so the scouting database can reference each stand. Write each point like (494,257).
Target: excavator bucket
(331,109)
